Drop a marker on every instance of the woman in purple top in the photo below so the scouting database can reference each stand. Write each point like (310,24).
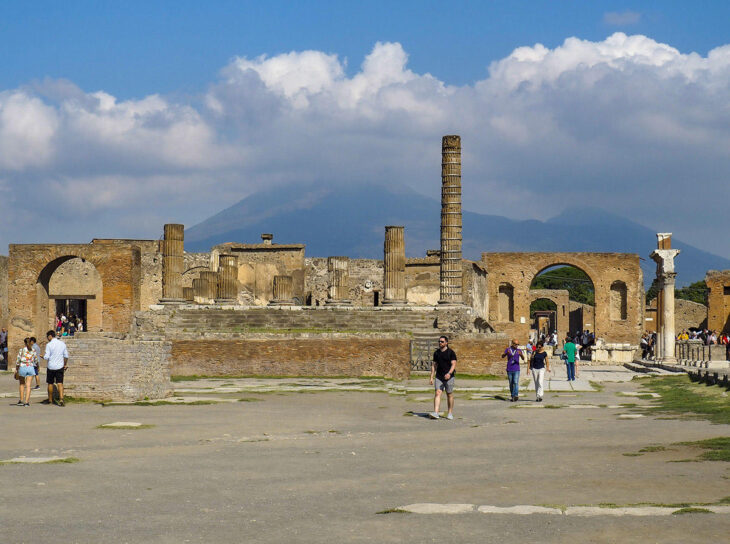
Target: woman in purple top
(513,354)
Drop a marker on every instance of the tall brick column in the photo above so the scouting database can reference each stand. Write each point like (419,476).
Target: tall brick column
(664,257)
(339,280)
(172,264)
(208,286)
(451,271)
(394,266)
(227,279)
(283,291)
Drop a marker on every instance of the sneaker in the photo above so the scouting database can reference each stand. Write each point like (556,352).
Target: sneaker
(433,415)
(46,401)
(449,416)
(37,387)
(19,403)
(511,399)
(539,399)
(517,398)
(60,403)
(26,404)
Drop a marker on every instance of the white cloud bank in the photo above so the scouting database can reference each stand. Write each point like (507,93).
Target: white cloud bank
(627,124)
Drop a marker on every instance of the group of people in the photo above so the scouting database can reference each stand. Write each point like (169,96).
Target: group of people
(27,368)
(708,337)
(68,326)
(443,370)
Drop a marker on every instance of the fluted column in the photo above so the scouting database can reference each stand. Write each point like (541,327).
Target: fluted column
(209,286)
(394,266)
(197,290)
(227,279)
(451,231)
(172,264)
(283,291)
(339,281)
(188,294)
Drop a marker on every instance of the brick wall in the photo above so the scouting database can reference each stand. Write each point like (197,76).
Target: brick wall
(389,357)
(478,354)
(103,367)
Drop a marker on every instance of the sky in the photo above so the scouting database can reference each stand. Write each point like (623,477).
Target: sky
(116,118)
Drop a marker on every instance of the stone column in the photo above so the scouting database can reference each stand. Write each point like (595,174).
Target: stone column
(451,232)
(188,294)
(208,286)
(664,257)
(339,281)
(283,291)
(197,290)
(172,264)
(227,279)
(394,267)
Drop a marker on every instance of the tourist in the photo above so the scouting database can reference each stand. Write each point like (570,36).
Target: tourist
(25,366)
(57,357)
(442,377)
(513,354)
(537,365)
(644,343)
(571,361)
(34,345)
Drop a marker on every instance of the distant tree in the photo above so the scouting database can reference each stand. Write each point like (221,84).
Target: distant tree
(653,291)
(696,292)
(574,280)
(542,304)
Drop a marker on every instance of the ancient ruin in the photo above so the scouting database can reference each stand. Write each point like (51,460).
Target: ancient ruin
(360,316)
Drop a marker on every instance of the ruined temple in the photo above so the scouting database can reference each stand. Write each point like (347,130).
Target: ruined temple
(264,308)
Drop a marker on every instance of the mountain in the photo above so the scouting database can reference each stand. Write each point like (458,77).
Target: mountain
(350,220)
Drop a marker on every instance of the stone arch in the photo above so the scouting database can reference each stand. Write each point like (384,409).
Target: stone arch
(619,301)
(519,269)
(190,274)
(30,267)
(561,299)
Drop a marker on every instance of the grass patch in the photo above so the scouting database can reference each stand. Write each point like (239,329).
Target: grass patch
(597,386)
(632,454)
(65,460)
(691,510)
(718,449)
(169,403)
(554,406)
(393,511)
(649,449)
(680,395)
(248,399)
(487,377)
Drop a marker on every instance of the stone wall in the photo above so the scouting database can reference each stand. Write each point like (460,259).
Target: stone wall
(718,300)
(150,274)
(479,354)
(111,367)
(511,274)
(582,317)
(366,279)
(4,313)
(294,356)
(686,314)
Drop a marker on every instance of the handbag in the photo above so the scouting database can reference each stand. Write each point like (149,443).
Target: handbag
(16,376)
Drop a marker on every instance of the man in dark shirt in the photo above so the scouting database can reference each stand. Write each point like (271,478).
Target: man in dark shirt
(442,377)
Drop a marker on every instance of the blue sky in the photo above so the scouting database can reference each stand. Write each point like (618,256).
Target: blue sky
(135,48)
(125,116)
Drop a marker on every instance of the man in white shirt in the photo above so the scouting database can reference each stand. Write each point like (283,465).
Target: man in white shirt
(57,357)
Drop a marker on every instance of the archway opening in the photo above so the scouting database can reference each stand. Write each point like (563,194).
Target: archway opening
(543,318)
(573,293)
(70,286)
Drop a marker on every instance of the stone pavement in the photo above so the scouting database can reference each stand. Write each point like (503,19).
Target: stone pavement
(303,461)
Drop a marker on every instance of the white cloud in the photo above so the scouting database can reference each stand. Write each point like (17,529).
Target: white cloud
(626,123)
(621,18)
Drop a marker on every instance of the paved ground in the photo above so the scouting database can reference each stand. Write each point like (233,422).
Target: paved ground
(317,467)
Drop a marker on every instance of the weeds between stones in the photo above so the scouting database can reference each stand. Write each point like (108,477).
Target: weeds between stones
(692,510)
(718,448)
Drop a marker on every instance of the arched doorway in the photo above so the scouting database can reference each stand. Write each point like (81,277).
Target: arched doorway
(573,292)
(71,285)
(543,318)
